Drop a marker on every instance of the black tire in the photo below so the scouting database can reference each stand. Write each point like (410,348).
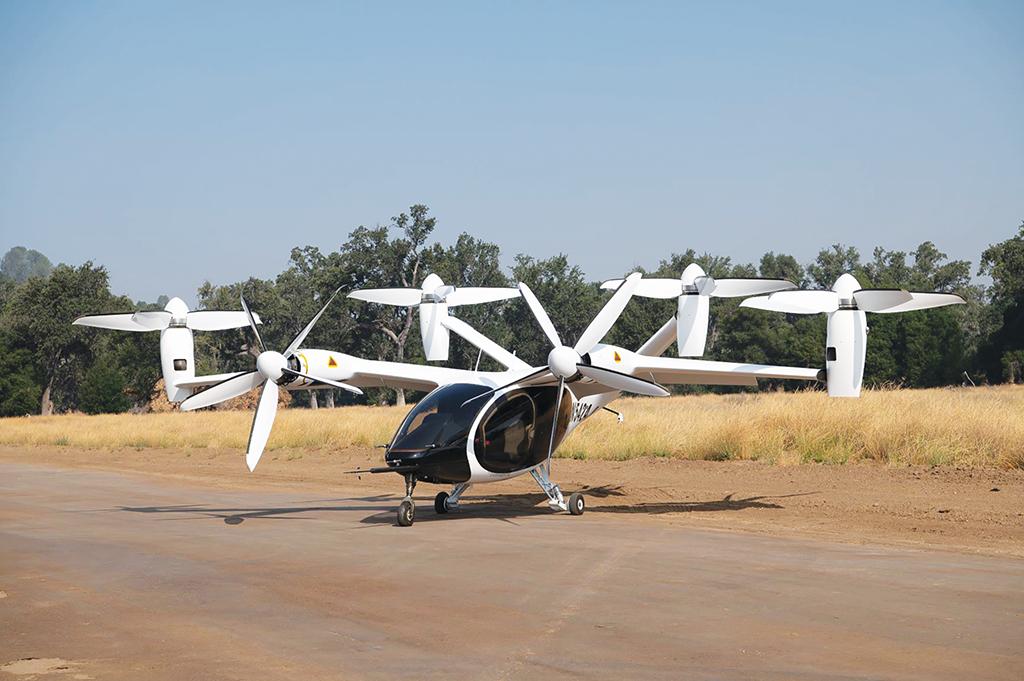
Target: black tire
(441,502)
(406,513)
(576,504)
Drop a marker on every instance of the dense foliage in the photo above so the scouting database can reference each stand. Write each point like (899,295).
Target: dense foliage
(46,364)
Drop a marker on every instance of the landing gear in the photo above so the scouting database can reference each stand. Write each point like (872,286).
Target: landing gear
(406,513)
(556,501)
(407,509)
(445,501)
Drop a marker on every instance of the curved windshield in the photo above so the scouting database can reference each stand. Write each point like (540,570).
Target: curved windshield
(441,418)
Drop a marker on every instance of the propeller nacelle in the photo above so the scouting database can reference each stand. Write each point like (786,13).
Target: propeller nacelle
(272,369)
(433,299)
(847,332)
(177,347)
(693,292)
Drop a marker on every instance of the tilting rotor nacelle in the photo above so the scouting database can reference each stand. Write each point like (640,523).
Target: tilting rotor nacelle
(434,299)
(177,346)
(847,336)
(693,291)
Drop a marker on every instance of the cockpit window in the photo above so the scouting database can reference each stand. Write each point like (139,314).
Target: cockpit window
(441,418)
(515,432)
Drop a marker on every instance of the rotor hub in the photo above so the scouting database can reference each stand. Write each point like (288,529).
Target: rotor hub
(562,361)
(271,365)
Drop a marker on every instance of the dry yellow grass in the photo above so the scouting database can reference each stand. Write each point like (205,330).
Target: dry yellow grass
(976,427)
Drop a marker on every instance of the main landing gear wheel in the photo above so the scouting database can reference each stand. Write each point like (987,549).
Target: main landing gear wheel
(441,502)
(576,504)
(406,513)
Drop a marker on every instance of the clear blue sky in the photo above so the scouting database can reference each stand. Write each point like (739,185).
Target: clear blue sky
(176,142)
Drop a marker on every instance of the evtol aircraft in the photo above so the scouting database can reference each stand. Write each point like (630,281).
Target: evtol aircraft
(485,426)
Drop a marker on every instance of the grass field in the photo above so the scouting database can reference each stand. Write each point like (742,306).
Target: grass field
(975,427)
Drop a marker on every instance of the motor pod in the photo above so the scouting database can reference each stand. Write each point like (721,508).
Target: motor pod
(692,324)
(434,334)
(846,346)
(177,360)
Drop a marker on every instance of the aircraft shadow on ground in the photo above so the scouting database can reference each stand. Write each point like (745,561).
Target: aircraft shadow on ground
(237,515)
(503,507)
(508,506)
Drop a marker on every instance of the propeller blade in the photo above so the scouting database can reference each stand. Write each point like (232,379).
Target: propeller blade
(554,423)
(262,422)
(876,300)
(608,315)
(117,322)
(796,302)
(621,381)
(741,288)
(317,379)
(252,324)
(219,320)
(542,317)
(917,301)
(225,390)
(473,295)
(153,320)
(402,297)
(664,289)
(297,341)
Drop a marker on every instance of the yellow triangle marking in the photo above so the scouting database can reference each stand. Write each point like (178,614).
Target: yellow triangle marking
(618,357)
(330,362)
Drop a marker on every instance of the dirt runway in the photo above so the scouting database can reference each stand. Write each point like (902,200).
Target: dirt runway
(110,575)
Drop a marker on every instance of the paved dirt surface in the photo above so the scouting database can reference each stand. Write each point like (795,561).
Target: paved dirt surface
(122,575)
(973,510)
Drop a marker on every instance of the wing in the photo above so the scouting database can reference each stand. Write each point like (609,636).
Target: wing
(677,371)
(368,373)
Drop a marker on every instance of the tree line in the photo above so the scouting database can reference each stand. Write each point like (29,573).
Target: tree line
(47,365)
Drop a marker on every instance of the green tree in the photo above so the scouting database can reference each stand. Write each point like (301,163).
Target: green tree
(38,316)
(21,264)
(1001,355)
(832,262)
(20,386)
(103,389)
(781,266)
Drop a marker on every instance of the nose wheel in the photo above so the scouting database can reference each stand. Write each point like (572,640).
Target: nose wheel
(406,512)
(407,509)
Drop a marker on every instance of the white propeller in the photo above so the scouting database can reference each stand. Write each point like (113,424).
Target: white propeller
(845,305)
(272,369)
(174,315)
(566,362)
(433,299)
(693,290)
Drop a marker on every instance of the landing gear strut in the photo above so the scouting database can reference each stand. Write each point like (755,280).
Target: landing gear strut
(449,501)
(556,501)
(407,509)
